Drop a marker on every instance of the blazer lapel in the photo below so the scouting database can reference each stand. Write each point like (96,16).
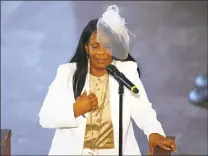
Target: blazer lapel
(114,106)
(86,87)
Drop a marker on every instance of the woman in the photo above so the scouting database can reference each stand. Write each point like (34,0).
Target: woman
(82,105)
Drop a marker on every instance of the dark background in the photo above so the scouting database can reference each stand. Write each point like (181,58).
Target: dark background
(170,48)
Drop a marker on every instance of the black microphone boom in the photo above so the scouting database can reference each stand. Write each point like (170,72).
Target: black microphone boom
(111,69)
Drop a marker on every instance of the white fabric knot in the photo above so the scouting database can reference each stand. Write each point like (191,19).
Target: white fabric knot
(112,27)
(113,19)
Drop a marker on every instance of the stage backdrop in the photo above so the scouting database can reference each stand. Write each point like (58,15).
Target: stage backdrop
(170,48)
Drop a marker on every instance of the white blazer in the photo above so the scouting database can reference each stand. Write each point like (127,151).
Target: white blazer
(57,112)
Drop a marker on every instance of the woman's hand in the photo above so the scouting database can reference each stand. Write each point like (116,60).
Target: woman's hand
(156,139)
(85,103)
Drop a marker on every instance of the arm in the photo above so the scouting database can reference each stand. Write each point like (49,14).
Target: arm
(141,111)
(57,110)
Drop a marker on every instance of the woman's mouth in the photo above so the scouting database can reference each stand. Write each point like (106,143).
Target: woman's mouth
(101,60)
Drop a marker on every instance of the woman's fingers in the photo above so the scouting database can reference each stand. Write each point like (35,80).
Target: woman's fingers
(164,147)
(93,101)
(91,95)
(165,144)
(94,108)
(161,142)
(151,148)
(95,104)
(84,94)
(173,146)
(93,98)
(169,143)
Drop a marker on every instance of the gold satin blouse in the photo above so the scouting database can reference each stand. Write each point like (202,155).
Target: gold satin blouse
(99,128)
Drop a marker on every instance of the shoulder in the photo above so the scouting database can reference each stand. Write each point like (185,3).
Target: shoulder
(67,67)
(64,74)
(126,65)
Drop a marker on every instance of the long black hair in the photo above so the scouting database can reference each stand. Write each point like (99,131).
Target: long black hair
(81,58)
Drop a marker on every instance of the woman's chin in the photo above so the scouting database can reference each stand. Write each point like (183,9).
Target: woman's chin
(101,65)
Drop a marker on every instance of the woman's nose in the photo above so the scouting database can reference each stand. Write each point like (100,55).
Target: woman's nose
(102,51)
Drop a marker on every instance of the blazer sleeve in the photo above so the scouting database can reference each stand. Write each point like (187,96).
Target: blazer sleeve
(57,109)
(141,110)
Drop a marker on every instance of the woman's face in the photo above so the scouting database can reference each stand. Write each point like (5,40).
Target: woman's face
(99,56)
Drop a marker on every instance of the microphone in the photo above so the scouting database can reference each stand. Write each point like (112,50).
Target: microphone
(111,69)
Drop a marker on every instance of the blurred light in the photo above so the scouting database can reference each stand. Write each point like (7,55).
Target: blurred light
(201,81)
(199,95)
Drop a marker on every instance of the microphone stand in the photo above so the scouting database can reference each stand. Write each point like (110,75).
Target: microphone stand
(120,92)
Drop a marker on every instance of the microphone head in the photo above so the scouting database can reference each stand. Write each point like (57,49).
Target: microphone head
(111,69)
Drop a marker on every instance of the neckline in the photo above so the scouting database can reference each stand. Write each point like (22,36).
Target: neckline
(103,77)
